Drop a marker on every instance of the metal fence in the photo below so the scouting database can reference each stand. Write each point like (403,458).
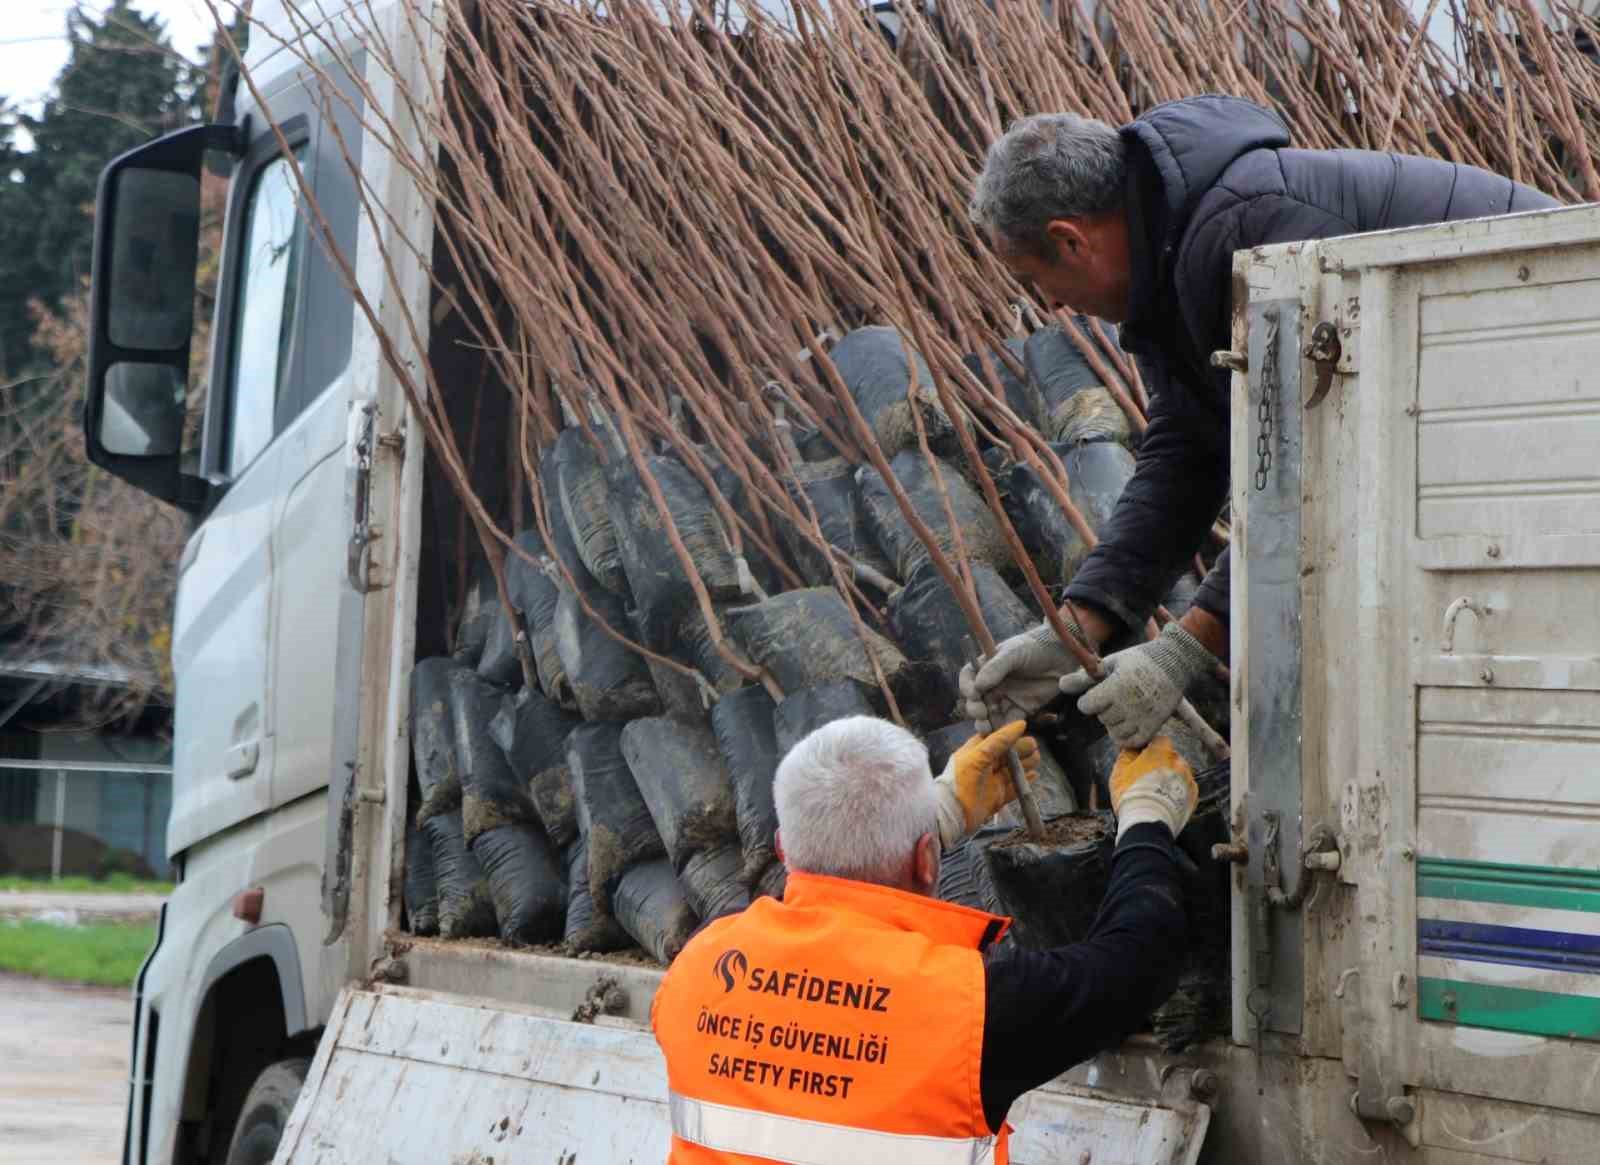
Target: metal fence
(62,818)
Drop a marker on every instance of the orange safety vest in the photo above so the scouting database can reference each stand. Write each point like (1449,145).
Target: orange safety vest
(843,1024)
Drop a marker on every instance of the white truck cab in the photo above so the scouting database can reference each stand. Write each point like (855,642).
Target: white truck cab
(1416,688)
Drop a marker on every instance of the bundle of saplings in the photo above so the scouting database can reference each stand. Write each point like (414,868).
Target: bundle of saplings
(828,489)
(1007,385)
(581,474)
(802,712)
(1096,474)
(608,679)
(689,793)
(897,538)
(528,887)
(807,637)
(534,595)
(1070,402)
(464,905)
(888,378)
(926,621)
(661,588)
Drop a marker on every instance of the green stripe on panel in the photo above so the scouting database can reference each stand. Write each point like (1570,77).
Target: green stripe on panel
(1540,886)
(1511,1009)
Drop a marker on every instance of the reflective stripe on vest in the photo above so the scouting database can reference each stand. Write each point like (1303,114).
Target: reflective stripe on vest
(725,1129)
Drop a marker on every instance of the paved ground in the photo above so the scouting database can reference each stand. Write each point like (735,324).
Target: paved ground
(30,903)
(63,1071)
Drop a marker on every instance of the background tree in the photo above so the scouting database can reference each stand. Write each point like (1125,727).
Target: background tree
(122,85)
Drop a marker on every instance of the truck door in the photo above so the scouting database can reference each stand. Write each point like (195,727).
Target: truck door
(1422,664)
(262,610)
(1499,521)
(316,611)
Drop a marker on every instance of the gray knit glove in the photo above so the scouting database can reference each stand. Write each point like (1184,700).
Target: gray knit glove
(1143,685)
(1022,676)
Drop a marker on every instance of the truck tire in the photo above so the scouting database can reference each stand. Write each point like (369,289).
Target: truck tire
(265,1113)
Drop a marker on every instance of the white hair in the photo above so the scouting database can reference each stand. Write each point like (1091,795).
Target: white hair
(853,798)
(1046,167)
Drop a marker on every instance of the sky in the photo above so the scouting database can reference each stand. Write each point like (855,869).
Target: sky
(33,39)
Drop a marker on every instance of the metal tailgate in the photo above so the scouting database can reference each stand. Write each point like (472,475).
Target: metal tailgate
(404,1075)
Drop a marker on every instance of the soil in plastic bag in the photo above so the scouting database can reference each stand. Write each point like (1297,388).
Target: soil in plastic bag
(686,786)
(561,535)
(894,536)
(499,664)
(652,907)
(479,609)
(1071,403)
(802,712)
(877,366)
(1199,1007)
(1096,475)
(732,489)
(1004,383)
(581,473)
(694,647)
(1053,890)
(661,588)
(609,681)
(807,637)
(464,905)
(743,724)
(421,891)
(534,594)
(680,694)
(926,621)
(587,930)
(612,815)
(528,888)
(713,881)
(830,486)
(532,732)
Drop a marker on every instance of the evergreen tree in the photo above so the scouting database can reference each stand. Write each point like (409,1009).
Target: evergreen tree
(122,85)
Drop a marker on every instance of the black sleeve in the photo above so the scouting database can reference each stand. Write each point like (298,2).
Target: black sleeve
(1048,1010)
(1216,586)
(1175,494)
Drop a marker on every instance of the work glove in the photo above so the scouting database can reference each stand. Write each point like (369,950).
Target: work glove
(976,783)
(1022,676)
(1153,784)
(1142,686)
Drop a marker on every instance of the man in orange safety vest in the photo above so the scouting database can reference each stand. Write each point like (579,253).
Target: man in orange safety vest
(861,1019)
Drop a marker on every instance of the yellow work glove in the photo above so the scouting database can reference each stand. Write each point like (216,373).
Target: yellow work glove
(976,784)
(1153,783)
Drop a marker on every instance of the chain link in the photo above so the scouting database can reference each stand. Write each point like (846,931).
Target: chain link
(1269,389)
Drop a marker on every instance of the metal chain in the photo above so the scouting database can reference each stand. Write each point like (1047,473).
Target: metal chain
(1269,389)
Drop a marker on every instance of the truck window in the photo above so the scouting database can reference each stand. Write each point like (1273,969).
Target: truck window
(268,283)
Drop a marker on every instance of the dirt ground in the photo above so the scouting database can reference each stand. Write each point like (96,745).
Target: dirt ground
(63,1071)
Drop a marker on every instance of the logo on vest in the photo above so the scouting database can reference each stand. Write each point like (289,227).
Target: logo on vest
(730,964)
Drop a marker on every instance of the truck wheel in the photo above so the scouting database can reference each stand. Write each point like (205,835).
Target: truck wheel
(266,1112)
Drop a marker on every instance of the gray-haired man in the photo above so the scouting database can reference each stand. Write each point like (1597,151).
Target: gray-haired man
(1138,226)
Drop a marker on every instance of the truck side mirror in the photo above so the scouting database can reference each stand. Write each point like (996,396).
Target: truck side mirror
(146,256)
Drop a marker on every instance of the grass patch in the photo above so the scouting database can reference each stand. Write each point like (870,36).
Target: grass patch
(114,884)
(106,953)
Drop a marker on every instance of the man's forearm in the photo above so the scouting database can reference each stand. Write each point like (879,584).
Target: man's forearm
(1048,1010)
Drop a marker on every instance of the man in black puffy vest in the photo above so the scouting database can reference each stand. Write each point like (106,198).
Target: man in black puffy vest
(1138,226)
